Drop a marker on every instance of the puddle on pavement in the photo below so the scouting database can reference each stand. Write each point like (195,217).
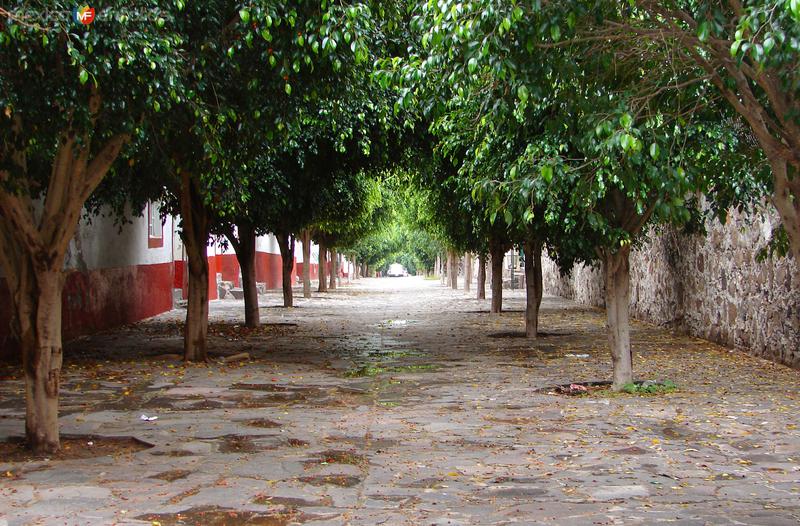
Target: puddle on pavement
(632,450)
(427,483)
(172,475)
(342,481)
(235,401)
(291,502)
(270,388)
(376,370)
(577,388)
(263,423)
(728,476)
(521,334)
(517,492)
(397,323)
(245,444)
(364,443)
(523,365)
(74,447)
(388,354)
(216,516)
(336,456)
(174,453)
(513,420)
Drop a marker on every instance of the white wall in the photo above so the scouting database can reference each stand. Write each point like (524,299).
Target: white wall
(298,252)
(100,243)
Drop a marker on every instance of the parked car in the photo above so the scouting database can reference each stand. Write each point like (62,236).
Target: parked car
(396,270)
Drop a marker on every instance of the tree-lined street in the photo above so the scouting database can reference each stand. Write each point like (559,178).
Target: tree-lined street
(401,401)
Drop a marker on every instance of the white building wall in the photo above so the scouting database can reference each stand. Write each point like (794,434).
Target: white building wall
(101,243)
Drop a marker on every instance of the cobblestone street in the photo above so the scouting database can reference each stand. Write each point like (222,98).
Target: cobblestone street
(402,402)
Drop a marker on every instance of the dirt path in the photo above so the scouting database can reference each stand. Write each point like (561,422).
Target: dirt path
(398,401)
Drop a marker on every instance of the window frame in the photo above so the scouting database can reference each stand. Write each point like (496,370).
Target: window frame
(154,241)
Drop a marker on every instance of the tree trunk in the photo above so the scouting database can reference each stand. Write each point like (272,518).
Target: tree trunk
(244,243)
(334,270)
(786,199)
(533,285)
(339,262)
(306,238)
(452,272)
(194,232)
(286,245)
(497,253)
(33,242)
(323,274)
(482,276)
(467,271)
(37,299)
(355,268)
(617,278)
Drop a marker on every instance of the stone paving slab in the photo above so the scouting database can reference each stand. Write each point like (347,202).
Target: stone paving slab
(401,402)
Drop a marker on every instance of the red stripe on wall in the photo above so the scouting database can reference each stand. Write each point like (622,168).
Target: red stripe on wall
(179,275)
(314,270)
(103,298)
(268,269)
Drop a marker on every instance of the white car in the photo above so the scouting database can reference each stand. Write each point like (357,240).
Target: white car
(396,270)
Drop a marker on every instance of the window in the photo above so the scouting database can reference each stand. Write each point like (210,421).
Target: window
(155,230)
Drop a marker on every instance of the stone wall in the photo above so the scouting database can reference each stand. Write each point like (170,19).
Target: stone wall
(708,286)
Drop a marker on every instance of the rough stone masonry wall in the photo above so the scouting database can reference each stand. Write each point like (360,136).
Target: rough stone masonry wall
(707,286)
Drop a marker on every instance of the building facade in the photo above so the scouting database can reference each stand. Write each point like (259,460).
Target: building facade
(122,272)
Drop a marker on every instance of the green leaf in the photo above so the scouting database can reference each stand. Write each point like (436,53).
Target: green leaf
(288,88)
(547,173)
(522,93)
(244,14)
(702,31)
(654,151)
(769,43)
(626,120)
(571,19)
(472,65)
(555,32)
(83,76)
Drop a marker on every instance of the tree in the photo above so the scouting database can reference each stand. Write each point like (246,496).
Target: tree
(584,161)
(746,50)
(72,98)
(226,164)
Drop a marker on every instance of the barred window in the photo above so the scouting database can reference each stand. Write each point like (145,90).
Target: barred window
(155,230)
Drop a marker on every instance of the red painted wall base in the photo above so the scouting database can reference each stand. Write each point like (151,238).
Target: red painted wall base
(268,269)
(104,298)
(101,299)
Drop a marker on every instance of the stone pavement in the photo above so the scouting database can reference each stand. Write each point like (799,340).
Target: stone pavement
(401,402)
